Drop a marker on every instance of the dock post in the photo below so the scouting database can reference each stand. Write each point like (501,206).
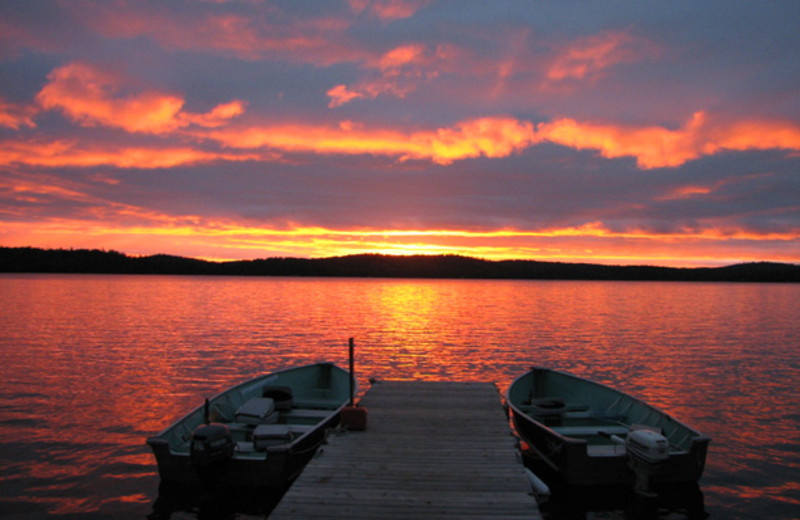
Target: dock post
(353,417)
(352,372)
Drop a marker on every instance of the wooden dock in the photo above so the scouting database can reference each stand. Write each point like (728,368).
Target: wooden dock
(431,450)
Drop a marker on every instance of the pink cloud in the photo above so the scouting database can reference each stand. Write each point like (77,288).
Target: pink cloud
(588,58)
(388,10)
(91,97)
(262,31)
(16,116)
(410,54)
(394,85)
(341,95)
(686,192)
(395,72)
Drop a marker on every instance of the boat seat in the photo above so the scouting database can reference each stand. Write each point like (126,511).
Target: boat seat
(594,414)
(257,410)
(240,427)
(307,414)
(244,447)
(322,404)
(266,435)
(605,450)
(588,431)
(549,405)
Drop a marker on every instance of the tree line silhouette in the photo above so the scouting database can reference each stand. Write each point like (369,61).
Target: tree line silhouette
(35,260)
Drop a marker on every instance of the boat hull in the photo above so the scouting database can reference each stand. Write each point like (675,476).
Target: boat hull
(585,454)
(271,466)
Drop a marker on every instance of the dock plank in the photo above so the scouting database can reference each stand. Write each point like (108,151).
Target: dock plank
(437,450)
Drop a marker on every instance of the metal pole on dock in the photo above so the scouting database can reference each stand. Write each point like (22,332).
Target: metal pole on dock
(352,372)
(353,417)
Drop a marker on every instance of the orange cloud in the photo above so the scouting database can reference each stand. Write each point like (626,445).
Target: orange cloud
(754,135)
(86,94)
(89,96)
(658,147)
(219,116)
(489,137)
(651,146)
(52,154)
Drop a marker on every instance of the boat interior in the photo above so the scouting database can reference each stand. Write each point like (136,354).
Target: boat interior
(595,414)
(274,410)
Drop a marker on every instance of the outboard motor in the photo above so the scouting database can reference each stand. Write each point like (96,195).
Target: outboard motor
(647,450)
(211,446)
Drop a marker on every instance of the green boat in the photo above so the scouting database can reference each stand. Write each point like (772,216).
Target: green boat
(260,433)
(592,434)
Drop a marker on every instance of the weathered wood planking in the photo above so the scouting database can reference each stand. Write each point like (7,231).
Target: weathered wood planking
(431,450)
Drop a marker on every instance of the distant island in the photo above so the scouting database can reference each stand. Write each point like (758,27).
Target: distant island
(94,261)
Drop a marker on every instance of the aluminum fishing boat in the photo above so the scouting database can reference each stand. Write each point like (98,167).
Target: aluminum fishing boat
(260,433)
(592,434)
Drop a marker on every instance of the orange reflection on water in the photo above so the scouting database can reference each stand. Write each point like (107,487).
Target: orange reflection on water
(111,360)
(414,315)
(788,492)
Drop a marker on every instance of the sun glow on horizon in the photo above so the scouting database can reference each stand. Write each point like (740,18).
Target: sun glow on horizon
(591,243)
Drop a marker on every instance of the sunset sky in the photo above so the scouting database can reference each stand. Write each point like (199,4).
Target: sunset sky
(619,132)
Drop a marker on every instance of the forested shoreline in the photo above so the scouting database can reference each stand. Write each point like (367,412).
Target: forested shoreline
(95,261)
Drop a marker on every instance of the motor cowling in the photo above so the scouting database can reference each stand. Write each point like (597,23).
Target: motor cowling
(211,444)
(648,445)
(647,451)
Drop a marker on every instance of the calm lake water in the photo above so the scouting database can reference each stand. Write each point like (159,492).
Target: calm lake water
(92,365)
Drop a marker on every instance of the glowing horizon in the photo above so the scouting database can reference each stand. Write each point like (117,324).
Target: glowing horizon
(233,242)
